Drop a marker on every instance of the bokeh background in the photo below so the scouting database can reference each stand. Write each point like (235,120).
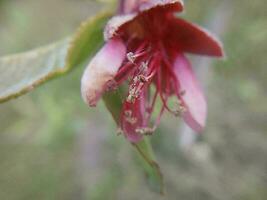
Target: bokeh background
(53,147)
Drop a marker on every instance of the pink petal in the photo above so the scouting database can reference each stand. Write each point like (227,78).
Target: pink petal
(127,6)
(194,100)
(101,71)
(193,39)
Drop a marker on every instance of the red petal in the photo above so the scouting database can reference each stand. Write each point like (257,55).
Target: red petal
(192,38)
(132,118)
(115,24)
(194,100)
(102,70)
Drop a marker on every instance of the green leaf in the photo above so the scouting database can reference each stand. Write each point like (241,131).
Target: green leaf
(113,101)
(87,39)
(21,73)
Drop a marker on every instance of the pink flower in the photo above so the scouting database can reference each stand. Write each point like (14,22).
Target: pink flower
(145,44)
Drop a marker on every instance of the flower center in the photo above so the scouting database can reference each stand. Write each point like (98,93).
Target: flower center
(147,64)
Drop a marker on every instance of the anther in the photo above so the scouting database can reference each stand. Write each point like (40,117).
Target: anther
(132,95)
(145,130)
(128,113)
(119,131)
(143,67)
(179,110)
(131,57)
(134,91)
(136,79)
(130,98)
(129,118)
(142,78)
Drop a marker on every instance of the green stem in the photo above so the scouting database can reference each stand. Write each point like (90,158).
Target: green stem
(150,166)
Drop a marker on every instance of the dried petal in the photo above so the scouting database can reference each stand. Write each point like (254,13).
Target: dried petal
(101,71)
(115,23)
(161,5)
(193,98)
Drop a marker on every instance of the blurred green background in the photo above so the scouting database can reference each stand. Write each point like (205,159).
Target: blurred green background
(53,147)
